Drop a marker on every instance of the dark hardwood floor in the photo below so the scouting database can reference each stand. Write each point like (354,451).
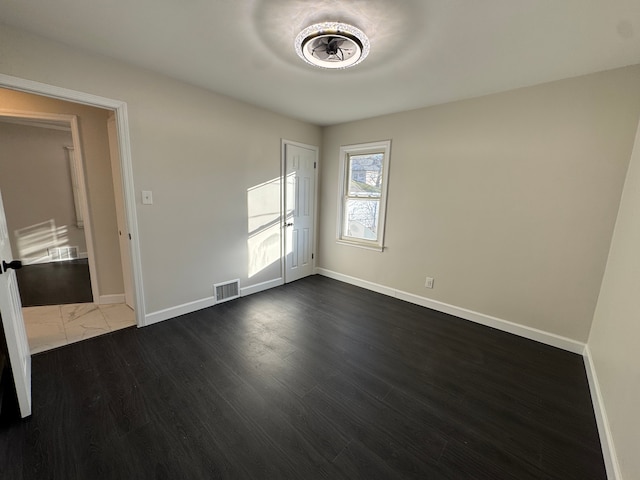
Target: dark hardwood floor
(315,379)
(55,283)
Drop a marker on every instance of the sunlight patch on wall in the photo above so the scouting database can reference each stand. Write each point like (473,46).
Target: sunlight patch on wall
(263,214)
(36,241)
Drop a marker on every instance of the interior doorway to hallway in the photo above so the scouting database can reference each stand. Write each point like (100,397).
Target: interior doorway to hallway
(65,296)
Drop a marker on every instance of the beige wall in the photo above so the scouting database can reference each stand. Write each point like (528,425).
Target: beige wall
(94,142)
(35,180)
(198,152)
(616,327)
(508,200)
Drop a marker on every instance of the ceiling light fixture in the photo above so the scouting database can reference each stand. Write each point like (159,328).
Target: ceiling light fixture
(332,45)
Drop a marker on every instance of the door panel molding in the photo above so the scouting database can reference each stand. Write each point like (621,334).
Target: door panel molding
(310,243)
(13,323)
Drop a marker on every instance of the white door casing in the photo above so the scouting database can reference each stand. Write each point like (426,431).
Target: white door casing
(13,323)
(299,210)
(123,231)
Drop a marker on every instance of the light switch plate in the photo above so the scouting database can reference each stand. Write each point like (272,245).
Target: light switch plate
(147,197)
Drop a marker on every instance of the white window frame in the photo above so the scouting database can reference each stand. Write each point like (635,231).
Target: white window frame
(346,151)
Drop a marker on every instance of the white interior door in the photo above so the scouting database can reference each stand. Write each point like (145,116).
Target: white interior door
(299,218)
(12,321)
(123,231)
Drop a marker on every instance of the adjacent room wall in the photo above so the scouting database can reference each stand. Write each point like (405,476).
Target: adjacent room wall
(508,200)
(35,180)
(198,152)
(613,342)
(92,123)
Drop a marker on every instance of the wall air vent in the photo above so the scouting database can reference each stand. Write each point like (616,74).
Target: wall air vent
(59,254)
(226,291)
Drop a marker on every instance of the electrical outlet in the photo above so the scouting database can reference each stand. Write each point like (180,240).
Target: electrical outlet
(429,282)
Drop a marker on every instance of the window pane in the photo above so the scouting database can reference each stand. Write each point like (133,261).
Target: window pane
(361,219)
(365,175)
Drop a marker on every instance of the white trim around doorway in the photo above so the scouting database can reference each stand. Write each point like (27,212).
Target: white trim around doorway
(122,124)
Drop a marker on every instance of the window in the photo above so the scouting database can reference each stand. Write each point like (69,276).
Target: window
(363,191)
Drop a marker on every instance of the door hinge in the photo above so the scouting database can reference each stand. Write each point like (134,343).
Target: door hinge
(312,256)
(314,164)
(129,236)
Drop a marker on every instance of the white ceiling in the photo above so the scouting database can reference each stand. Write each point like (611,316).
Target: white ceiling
(423,52)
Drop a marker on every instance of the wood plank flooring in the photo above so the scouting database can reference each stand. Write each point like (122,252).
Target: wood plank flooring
(55,283)
(315,379)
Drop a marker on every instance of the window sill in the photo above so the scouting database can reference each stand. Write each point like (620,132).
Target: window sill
(375,248)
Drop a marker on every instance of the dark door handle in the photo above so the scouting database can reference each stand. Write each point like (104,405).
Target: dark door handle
(15,264)
(289,225)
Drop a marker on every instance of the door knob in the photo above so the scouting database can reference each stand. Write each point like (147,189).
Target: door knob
(289,224)
(15,264)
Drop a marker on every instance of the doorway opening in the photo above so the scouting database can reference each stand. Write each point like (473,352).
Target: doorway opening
(51,226)
(44,192)
(10,311)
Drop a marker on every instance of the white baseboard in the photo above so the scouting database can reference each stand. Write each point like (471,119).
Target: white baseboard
(172,312)
(109,299)
(505,325)
(259,287)
(604,430)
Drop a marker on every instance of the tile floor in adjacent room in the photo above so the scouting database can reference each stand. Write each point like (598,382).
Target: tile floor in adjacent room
(56,325)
